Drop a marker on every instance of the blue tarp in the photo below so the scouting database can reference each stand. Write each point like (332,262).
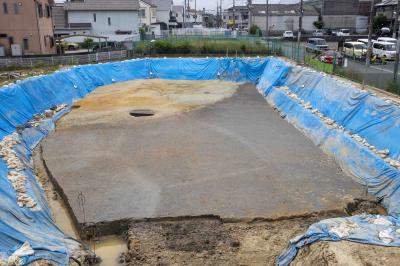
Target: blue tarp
(359,112)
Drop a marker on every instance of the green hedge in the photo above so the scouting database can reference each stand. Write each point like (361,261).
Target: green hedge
(201,46)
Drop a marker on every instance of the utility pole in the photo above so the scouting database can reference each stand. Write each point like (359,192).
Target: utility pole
(396,64)
(233,8)
(184,14)
(266,21)
(249,6)
(300,25)
(195,11)
(370,28)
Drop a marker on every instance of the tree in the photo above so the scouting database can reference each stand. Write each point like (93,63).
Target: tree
(254,30)
(87,43)
(319,24)
(380,21)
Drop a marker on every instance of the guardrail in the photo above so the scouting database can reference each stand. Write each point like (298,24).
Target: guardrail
(64,59)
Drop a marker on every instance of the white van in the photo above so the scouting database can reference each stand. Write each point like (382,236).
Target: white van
(355,49)
(385,50)
(387,39)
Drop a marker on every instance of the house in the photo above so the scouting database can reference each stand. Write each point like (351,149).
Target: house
(189,16)
(116,20)
(388,8)
(147,15)
(162,11)
(26,27)
(284,17)
(352,15)
(61,26)
(237,17)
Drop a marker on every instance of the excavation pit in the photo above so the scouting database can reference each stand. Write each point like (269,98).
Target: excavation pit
(224,153)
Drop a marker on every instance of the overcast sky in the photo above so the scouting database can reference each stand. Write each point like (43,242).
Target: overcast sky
(212,4)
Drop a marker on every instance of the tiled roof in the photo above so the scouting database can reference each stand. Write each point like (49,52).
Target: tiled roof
(105,5)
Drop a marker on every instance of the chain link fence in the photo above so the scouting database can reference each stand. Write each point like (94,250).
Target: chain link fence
(77,59)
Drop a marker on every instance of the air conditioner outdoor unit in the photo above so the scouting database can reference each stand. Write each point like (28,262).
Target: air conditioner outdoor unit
(16,50)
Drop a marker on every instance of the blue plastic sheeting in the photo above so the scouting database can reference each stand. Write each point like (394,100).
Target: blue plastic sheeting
(359,112)
(360,228)
(21,101)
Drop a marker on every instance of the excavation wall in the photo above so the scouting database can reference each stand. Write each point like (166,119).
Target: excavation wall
(358,128)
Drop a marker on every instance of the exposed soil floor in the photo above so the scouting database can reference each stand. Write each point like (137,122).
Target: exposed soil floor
(234,157)
(211,242)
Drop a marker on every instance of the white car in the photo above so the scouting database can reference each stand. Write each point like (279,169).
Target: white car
(288,34)
(343,32)
(384,50)
(318,33)
(387,39)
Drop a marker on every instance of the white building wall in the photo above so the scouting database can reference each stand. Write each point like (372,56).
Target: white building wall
(283,23)
(120,20)
(150,14)
(163,16)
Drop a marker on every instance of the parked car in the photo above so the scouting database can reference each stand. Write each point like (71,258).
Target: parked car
(343,32)
(384,32)
(109,46)
(387,39)
(316,45)
(71,46)
(318,33)
(355,49)
(332,56)
(288,34)
(384,50)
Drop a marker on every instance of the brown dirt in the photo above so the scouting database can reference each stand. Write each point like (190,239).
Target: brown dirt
(111,104)
(346,253)
(209,241)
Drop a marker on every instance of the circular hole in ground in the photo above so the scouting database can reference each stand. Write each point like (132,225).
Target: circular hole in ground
(141,112)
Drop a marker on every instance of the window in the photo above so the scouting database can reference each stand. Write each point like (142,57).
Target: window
(26,43)
(48,11)
(11,40)
(51,42)
(94,17)
(16,8)
(109,21)
(40,9)
(142,13)
(5,8)
(45,41)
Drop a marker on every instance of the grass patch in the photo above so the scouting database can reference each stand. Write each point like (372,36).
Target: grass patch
(349,74)
(202,47)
